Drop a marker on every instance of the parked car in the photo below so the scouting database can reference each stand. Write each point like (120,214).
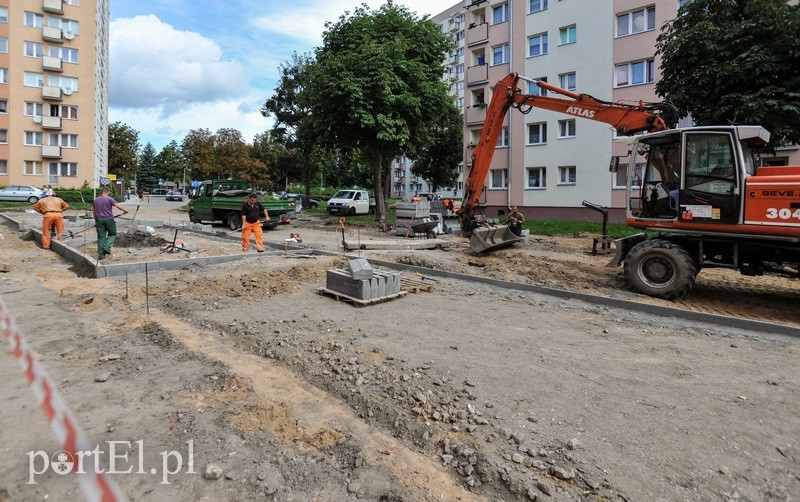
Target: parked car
(298,198)
(174,195)
(351,202)
(159,191)
(21,193)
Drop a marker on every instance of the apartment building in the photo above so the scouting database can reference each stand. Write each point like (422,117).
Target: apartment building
(53,92)
(545,162)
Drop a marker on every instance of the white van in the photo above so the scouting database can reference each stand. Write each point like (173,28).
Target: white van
(351,202)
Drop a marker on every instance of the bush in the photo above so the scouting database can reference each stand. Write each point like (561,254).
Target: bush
(74,194)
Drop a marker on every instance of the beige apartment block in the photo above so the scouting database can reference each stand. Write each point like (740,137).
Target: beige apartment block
(53,92)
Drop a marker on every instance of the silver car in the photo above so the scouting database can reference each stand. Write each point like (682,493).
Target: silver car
(21,193)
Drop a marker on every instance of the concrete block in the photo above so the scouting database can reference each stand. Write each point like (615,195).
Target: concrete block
(360,269)
(206,228)
(341,282)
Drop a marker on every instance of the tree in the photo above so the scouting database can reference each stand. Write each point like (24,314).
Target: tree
(293,121)
(169,163)
(147,176)
(279,162)
(437,162)
(198,150)
(376,86)
(230,152)
(735,61)
(123,149)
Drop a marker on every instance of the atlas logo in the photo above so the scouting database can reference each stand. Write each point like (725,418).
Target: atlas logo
(580,112)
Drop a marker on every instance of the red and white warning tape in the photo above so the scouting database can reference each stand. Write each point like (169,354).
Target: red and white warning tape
(72,439)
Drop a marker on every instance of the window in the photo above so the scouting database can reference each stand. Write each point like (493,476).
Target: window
(621,176)
(537,133)
(68,112)
(638,72)
(535,89)
(636,21)
(566,175)
(33,138)
(34,79)
(3,167)
(34,20)
(74,3)
(500,14)
(64,53)
(64,169)
(458,101)
(460,69)
(709,164)
(569,34)
(64,140)
(460,36)
(499,178)
(3,106)
(3,14)
(567,81)
(3,75)
(4,136)
(3,45)
(66,25)
(460,86)
(538,5)
(33,109)
(566,128)
(537,177)
(537,45)
(500,54)
(33,168)
(502,140)
(66,83)
(34,49)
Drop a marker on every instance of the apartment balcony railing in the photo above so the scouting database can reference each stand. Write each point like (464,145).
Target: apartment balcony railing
(53,6)
(51,93)
(50,63)
(477,34)
(51,152)
(477,74)
(476,114)
(50,34)
(51,123)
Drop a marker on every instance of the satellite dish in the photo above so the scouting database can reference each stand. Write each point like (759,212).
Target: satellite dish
(69,35)
(37,119)
(67,91)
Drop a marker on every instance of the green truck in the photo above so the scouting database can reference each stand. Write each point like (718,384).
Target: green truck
(221,200)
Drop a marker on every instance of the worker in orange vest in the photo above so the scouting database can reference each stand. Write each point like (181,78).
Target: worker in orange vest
(52,208)
(251,222)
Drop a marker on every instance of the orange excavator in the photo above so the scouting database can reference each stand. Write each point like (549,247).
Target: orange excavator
(698,191)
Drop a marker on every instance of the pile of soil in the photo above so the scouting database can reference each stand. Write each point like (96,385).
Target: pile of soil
(139,240)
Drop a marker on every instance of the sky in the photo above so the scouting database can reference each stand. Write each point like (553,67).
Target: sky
(177,65)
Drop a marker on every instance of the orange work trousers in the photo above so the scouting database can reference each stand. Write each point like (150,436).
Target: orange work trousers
(255,228)
(50,220)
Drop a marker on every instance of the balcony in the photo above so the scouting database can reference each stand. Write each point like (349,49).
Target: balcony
(53,6)
(51,93)
(478,34)
(476,114)
(50,34)
(51,152)
(53,123)
(455,26)
(477,74)
(50,63)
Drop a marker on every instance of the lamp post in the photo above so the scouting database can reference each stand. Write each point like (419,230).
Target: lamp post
(184,179)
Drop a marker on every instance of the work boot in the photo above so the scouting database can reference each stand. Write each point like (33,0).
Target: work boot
(260,250)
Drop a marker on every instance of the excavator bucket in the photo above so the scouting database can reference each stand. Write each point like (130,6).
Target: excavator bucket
(491,237)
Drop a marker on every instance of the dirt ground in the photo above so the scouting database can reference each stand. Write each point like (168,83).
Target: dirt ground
(465,393)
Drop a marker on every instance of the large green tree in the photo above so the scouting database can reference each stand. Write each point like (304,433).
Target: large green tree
(170,162)
(198,150)
(280,162)
(376,86)
(437,162)
(147,176)
(735,61)
(123,149)
(230,152)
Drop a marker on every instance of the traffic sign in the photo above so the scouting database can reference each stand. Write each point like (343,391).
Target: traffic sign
(104,181)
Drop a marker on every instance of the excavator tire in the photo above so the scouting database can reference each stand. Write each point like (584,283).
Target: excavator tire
(661,268)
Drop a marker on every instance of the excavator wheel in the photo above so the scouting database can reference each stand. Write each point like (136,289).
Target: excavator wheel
(661,268)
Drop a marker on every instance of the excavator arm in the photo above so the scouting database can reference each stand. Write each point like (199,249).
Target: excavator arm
(625,118)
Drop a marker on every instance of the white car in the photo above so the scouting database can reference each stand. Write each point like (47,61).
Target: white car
(351,202)
(21,193)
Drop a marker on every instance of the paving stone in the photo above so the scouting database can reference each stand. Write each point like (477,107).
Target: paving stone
(341,282)
(360,269)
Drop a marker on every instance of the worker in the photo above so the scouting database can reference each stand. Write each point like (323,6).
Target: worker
(53,210)
(103,209)
(450,204)
(251,222)
(515,221)
(140,194)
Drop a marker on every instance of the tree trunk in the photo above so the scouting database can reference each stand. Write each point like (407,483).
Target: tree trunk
(387,183)
(380,201)
(308,177)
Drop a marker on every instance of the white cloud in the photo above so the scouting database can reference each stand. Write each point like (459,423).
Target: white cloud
(305,20)
(155,65)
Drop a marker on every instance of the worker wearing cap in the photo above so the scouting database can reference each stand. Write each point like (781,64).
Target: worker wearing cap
(52,208)
(515,221)
(103,209)
(251,222)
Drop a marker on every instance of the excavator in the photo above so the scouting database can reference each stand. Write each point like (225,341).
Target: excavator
(697,193)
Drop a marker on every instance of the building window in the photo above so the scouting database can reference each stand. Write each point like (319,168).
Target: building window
(34,49)
(34,20)
(3,45)
(499,178)
(535,90)
(502,140)
(537,133)
(33,138)
(64,169)
(636,21)
(3,106)
(459,85)
(3,75)
(566,128)
(638,72)
(459,103)
(64,140)
(537,177)
(65,54)
(68,84)
(33,168)
(500,14)
(537,45)
(538,5)
(3,14)
(460,69)
(34,79)
(500,54)
(33,109)
(568,35)
(567,81)
(566,175)
(620,177)
(65,25)
(74,3)
(67,112)
(460,36)
(3,167)
(4,136)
